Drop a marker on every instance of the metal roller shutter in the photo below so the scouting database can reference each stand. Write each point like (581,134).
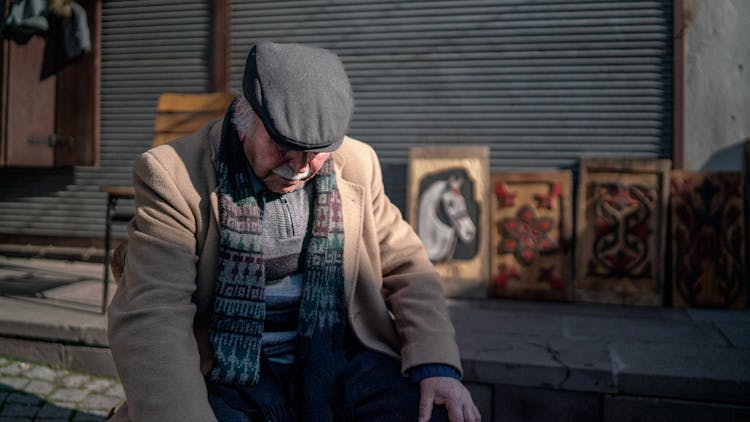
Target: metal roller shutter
(148,47)
(542,83)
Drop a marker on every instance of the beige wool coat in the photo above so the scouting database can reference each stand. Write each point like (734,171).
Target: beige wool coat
(158,319)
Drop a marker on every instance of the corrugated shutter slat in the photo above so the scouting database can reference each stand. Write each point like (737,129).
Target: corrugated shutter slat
(542,83)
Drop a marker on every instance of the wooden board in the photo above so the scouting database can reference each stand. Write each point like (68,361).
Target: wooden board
(531,227)
(182,114)
(621,231)
(184,122)
(175,102)
(708,258)
(447,206)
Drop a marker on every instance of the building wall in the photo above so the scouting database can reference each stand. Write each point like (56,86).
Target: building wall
(148,47)
(717,79)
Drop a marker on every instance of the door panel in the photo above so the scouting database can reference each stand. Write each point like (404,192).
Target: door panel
(31,106)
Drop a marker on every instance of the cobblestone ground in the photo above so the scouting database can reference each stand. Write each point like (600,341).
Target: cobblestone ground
(34,392)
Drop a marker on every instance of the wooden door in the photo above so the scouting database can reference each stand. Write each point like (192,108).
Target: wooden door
(50,105)
(31,106)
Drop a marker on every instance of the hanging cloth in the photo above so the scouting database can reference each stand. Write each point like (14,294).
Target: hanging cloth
(77,39)
(26,18)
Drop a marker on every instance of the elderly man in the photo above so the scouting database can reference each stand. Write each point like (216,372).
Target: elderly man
(268,275)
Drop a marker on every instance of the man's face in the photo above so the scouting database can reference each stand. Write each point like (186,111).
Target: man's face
(281,170)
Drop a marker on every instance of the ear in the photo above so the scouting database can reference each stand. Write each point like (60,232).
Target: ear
(455,182)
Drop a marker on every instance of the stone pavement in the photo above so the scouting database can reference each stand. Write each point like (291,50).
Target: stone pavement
(50,312)
(535,361)
(35,392)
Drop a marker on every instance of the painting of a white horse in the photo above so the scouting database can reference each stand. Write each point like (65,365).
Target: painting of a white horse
(443,219)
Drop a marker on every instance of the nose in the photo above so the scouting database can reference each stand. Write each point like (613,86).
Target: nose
(298,160)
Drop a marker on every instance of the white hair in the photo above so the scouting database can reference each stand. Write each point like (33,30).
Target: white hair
(243,117)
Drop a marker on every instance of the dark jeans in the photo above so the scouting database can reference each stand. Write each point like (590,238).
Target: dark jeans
(373,390)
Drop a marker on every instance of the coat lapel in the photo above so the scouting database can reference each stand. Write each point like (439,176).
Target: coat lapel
(353,209)
(215,141)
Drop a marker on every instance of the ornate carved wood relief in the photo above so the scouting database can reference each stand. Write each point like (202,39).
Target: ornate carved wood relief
(621,231)
(531,223)
(708,255)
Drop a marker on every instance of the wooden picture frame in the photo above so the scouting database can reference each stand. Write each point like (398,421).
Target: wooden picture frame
(621,231)
(707,235)
(746,215)
(447,207)
(532,232)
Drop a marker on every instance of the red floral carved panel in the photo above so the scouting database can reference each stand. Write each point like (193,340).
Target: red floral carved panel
(531,234)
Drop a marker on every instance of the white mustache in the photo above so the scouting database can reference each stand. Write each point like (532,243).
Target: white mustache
(290,174)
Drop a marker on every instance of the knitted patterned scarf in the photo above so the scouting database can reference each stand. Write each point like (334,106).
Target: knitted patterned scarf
(236,325)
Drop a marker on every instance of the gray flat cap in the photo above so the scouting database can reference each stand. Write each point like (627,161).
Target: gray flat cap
(301,94)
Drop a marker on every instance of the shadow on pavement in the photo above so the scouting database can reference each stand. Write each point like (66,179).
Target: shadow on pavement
(19,406)
(36,282)
(29,286)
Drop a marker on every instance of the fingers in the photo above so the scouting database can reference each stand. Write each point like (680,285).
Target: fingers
(450,393)
(475,411)
(471,413)
(426,398)
(467,411)
(455,411)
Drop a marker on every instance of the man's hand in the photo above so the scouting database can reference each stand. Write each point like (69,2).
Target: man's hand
(449,392)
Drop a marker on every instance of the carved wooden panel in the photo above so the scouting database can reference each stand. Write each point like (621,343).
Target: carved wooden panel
(447,206)
(621,231)
(530,247)
(707,240)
